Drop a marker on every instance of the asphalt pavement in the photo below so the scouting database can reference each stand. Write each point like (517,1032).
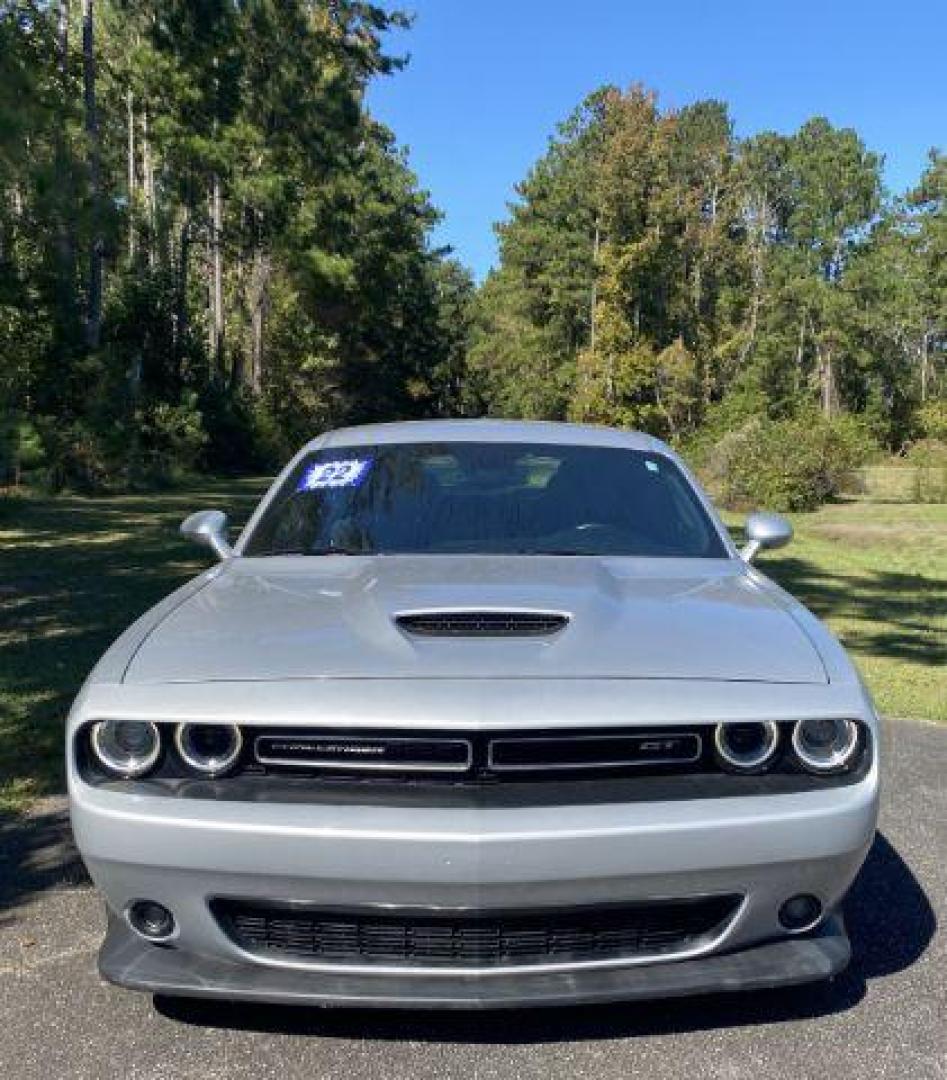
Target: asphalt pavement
(885,1017)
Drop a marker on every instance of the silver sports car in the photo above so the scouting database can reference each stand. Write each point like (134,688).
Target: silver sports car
(475,714)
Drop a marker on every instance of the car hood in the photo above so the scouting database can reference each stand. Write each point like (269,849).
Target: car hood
(334,617)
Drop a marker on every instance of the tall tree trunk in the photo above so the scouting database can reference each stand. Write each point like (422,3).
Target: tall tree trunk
(63,35)
(130,109)
(239,356)
(184,251)
(758,277)
(148,185)
(94,295)
(827,381)
(65,241)
(755,301)
(925,364)
(259,303)
(216,297)
(593,303)
(800,354)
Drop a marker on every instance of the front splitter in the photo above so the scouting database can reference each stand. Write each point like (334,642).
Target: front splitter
(128,961)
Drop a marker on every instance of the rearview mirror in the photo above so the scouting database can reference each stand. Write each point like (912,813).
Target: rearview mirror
(765,531)
(209,528)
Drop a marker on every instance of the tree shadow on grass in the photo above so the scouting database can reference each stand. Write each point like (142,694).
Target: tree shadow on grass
(75,572)
(890,922)
(893,612)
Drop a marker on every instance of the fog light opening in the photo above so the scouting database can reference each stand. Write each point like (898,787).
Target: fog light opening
(151,920)
(800,913)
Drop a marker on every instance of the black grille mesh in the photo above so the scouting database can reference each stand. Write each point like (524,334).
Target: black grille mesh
(481,940)
(482,623)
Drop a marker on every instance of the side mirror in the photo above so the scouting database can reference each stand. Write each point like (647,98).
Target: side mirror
(209,528)
(765,531)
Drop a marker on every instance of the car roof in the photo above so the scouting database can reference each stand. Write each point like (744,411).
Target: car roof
(496,431)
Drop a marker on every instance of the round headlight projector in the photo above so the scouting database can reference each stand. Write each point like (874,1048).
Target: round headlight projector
(825,745)
(126,748)
(210,749)
(746,747)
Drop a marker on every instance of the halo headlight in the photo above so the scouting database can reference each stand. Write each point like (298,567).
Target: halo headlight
(126,748)
(825,744)
(210,749)
(746,746)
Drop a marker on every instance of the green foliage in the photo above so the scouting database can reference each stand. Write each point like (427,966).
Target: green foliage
(731,414)
(170,438)
(77,455)
(658,273)
(264,246)
(21,449)
(268,271)
(533,313)
(932,420)
(793,464)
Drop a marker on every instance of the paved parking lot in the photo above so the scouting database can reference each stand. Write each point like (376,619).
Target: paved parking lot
(885,1017)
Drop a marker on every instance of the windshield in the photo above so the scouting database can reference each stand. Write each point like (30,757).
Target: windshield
(486,499)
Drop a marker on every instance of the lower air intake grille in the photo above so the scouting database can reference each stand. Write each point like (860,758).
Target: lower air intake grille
(482,623)
(481,940)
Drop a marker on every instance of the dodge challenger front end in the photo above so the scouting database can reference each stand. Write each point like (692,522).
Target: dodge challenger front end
(475,714)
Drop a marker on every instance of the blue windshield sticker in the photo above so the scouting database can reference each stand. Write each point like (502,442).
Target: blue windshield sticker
(334,474)
(651,466)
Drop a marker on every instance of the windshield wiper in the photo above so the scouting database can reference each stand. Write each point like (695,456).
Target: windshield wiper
(332,550)
(560,551)
(318,551)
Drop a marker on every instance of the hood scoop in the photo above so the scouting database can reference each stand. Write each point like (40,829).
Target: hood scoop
(481,624)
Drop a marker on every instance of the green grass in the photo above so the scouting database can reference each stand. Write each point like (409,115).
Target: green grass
(74,572)
(877,574)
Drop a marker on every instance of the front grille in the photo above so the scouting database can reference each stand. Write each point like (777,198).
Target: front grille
(481,939)
(476,757)
(528,753)
(479,624)
(398,753)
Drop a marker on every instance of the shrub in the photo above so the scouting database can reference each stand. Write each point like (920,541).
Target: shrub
(21,449)
(229,424)
(792,464)
(722,420)
(170,439)
(932,419)
(75,454)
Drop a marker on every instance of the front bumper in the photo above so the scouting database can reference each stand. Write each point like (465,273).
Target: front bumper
(183,852)
(129,962)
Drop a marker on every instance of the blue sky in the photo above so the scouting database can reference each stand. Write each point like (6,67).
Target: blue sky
(488,80)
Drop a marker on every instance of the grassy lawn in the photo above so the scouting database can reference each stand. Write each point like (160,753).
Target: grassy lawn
(74,572)
(877,574)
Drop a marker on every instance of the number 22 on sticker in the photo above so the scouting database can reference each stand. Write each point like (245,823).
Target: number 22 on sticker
(334,474)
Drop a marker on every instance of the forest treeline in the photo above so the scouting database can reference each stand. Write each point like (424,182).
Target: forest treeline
(761,302)
(209,250)
(660,273)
